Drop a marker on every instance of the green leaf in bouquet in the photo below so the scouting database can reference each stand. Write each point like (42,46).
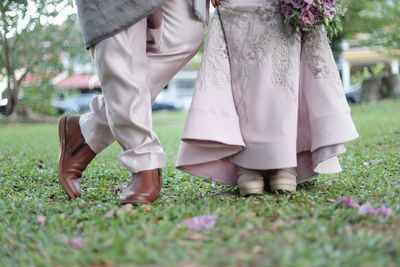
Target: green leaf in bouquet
(326,21)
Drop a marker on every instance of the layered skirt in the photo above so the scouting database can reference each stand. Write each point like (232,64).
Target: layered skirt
(265,98)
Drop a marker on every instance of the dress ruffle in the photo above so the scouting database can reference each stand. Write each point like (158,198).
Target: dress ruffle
(275,102)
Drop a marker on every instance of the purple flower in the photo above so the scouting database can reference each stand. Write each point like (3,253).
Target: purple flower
(367,209)
(384,211)
(77,242)
(299,4)
(307,18)
(330,12)
(314,9)
(309,2)
(41,219)
(349,202)
(330,3)
(200,222)
(287,11)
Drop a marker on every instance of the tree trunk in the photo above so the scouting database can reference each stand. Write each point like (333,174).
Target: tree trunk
(12,96)
(392,86)
(371,90)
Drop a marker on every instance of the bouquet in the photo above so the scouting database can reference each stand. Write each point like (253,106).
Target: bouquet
(308,15)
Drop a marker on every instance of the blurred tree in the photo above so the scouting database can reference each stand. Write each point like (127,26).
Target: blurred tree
(352,24)
(385,32)
(38,96)
(380,19)
(36,37)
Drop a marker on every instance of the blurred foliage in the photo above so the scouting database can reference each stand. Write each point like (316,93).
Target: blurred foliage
(378,19)
(386,31)
(38,96)
(365,73)
(37,38)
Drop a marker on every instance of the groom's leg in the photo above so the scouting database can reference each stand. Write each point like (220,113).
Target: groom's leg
(122,66)
(179,37)
(123,114)
(175,35)
(95,126)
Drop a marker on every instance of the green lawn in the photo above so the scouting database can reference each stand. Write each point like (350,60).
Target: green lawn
(305,229)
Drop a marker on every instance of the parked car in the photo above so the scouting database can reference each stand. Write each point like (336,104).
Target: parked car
(162,105)
(179,90)
(353,93)
(177,95)
(73,104)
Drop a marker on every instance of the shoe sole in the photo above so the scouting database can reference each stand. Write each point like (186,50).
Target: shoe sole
(283,182)
(283,187)
(61,135)
(251,191)
(135,202)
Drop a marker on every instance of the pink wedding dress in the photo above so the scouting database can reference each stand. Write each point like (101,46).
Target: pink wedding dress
(266,98)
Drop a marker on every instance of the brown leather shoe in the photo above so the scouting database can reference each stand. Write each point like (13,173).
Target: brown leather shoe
(75,155)
(144,188)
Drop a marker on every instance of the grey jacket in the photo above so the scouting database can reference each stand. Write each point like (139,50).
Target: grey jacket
(100,19)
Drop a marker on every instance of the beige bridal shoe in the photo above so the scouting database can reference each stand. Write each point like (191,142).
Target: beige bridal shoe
(250,182)
(283,180)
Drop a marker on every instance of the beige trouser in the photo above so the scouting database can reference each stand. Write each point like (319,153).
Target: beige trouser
(133,67)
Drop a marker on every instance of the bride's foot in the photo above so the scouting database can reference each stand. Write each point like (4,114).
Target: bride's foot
(250,182)
(283,180)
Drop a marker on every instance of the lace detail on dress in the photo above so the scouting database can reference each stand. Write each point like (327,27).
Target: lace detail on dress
(214,70)
(256,33)
(319,57)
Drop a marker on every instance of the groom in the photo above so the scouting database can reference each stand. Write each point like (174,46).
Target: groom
(137,46)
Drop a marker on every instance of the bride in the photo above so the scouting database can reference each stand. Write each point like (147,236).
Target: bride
(269,108)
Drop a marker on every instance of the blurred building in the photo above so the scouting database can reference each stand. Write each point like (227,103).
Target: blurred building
(84,83)
(355,57)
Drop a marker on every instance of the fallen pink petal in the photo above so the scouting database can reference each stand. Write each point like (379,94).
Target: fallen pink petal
(367,209)
(77,242)
(201,222)
(349,202)
(384,211)
(41,219)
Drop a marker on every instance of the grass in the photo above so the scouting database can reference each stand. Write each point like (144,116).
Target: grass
(305,229)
